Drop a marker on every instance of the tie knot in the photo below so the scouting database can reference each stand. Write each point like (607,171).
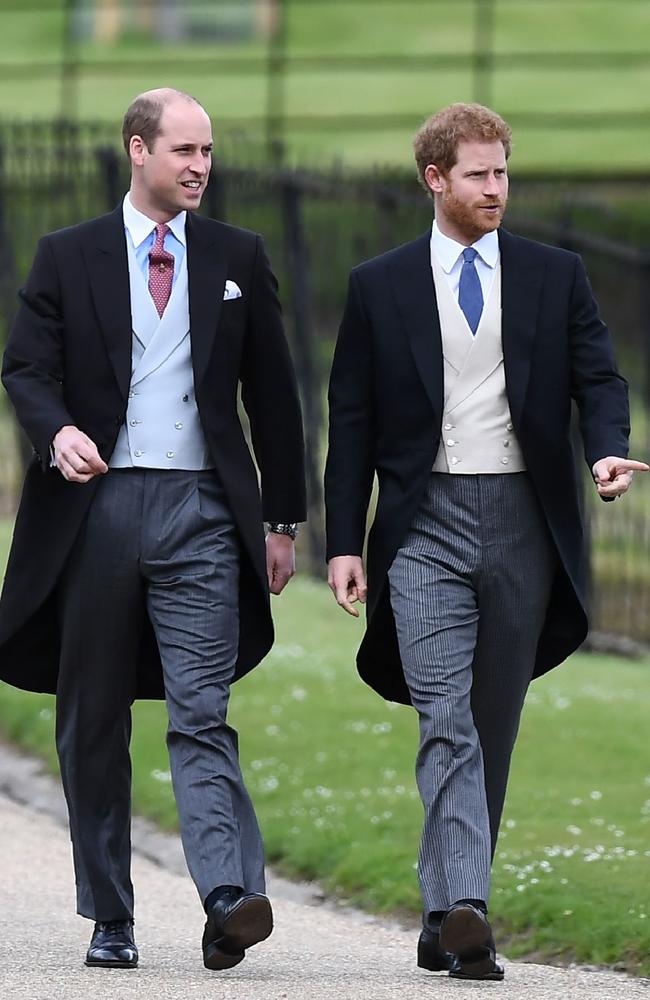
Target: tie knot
(469,255)
(161,231)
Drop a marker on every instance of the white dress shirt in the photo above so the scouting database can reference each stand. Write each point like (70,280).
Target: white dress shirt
(449,254)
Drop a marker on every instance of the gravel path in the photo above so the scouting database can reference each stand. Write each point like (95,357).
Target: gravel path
(317,952)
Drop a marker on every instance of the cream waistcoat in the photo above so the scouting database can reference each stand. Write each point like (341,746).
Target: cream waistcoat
(477,432)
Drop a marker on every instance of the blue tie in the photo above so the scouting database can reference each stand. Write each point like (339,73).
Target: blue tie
(470,296)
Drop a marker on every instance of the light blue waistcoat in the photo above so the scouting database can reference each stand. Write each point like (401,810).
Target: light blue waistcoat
(162,429)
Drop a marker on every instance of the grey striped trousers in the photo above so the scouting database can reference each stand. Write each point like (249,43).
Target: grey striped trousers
(469,591)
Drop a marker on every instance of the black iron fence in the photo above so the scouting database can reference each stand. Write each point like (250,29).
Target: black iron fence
(318,226)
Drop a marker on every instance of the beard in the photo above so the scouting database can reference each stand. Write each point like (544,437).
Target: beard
(469,219)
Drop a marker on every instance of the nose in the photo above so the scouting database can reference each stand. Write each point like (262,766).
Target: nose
(492,185)
(199,165)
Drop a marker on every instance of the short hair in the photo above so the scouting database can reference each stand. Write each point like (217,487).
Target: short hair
(143,115)
(436,141)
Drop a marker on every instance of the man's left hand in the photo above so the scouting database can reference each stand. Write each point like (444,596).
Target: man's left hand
(613,476)
(280,561)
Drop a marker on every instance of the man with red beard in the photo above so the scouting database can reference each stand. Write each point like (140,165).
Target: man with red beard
(456,363)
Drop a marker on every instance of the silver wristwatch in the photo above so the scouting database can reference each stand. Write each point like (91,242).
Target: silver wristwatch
(283,529)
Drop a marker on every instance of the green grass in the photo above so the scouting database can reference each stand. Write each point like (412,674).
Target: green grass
(330,768)
(382,28)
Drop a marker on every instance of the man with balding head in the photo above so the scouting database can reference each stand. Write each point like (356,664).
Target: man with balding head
(139,565)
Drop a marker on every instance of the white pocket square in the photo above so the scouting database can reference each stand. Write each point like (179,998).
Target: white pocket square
(232,290)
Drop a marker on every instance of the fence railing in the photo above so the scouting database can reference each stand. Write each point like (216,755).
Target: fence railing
(318,226)
(257,39)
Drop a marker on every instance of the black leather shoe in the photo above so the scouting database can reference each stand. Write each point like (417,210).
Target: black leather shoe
(430,954)
(236,921)
(466,933)
(112,945)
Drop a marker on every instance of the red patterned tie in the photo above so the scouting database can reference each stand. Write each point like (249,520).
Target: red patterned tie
(161,270)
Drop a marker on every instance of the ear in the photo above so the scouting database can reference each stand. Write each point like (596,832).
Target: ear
(433,178)
(137,150)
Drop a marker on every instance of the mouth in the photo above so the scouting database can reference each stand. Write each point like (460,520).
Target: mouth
(194,186)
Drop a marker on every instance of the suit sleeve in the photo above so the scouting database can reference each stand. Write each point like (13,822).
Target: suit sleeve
(350,464)
(270,398)
(596,385)
(33,364)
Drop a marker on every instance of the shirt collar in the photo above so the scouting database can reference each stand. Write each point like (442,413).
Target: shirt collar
(140,226)
(448,251)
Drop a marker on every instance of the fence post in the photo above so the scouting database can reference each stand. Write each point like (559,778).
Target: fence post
(69,64)
(483,59)
(215,194)
(275,86)
(109,165)
(8,287)
(298,267)
(644,325)
(567,243)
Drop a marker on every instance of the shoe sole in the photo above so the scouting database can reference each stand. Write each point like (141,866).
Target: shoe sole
(248,923)
(465,935)
(494,974)
(111,965)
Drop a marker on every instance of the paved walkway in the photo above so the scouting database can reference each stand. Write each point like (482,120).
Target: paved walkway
(317,952)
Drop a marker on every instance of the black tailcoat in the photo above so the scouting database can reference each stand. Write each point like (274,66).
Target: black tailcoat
(68,361)
(386,402)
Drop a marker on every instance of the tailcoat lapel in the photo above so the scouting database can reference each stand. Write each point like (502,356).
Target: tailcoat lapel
(522,277)
(207,262)
(416,301)
(108,272)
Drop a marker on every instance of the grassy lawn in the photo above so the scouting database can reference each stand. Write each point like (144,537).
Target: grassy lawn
(431,30)
(330,767)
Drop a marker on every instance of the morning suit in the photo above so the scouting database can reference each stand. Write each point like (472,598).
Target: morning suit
(176,528)
(457,621)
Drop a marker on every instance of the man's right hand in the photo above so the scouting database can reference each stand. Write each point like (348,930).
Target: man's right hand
(347,582)
(76,456)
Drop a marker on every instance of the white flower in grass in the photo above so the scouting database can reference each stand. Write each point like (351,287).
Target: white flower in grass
(359,726)
(575,802)
(575,830)
(298,694)
(595,795)
(163,776)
